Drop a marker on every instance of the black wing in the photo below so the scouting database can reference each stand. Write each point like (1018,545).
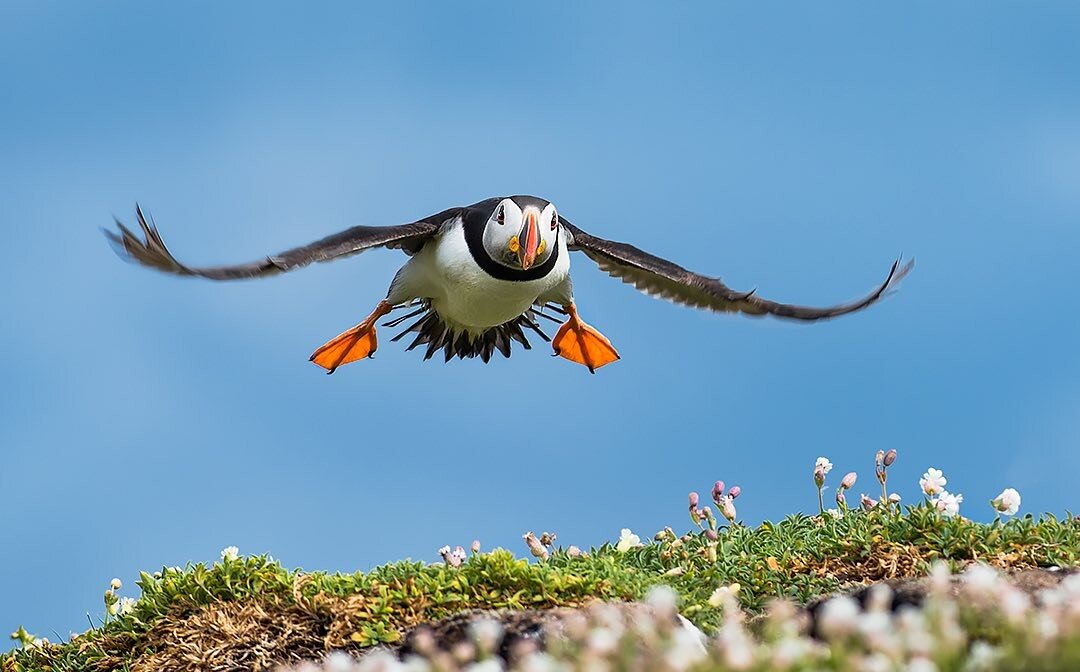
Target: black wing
(659,277)
(151,251)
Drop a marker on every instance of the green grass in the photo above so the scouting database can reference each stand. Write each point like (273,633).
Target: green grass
(800,558)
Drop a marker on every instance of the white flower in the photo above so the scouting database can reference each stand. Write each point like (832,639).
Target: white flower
(940,577)
(125,606)
(1014,604)
(1008,502)
(982,656)
(724,596)
(115,584)
(875,662)
(486,633)
(663,600)
(933,482)
(540,662)
(230,553)
(602,641)
(921,664)
(788,651)
(736,646)
(338,661)
(824,464)
(627,540)
(686,648)
(835,513)
(839,616)
(489,665)
(981,580)
(948,504)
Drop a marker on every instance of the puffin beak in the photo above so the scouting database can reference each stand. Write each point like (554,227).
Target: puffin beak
(529,240)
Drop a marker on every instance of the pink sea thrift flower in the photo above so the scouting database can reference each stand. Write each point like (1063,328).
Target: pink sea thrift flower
(535,547)
(452,558)
(729,509)
(822,466)
(695,512)
(734,492)
(717,491)
(867,503)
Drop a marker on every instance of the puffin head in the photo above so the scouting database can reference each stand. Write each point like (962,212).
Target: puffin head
(521,232)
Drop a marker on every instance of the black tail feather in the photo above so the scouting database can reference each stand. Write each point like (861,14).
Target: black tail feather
(431,331)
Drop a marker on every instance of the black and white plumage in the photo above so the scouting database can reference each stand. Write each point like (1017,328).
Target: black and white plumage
(481,276)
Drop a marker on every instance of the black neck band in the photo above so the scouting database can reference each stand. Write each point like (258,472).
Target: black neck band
(474,223)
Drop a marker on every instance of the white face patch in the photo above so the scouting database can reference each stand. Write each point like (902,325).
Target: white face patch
(505,235)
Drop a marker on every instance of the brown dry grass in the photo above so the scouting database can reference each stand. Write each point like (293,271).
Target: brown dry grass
(223,636)
(889,560)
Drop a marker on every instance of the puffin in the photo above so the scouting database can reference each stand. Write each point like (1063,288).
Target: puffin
(481,277)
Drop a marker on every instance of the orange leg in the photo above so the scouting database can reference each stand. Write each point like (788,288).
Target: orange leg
(580,343)
(349,346)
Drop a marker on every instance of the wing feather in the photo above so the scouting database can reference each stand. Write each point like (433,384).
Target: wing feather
(150,250)
(663,279)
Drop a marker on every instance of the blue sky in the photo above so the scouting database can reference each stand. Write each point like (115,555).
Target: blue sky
(148,420)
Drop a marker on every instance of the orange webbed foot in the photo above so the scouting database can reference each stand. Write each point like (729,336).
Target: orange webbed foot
(580,343)
(351,345)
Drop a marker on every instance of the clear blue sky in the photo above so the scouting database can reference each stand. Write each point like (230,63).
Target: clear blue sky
(148,420)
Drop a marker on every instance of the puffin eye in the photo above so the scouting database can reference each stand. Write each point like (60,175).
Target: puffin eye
(500,215)
(554,221)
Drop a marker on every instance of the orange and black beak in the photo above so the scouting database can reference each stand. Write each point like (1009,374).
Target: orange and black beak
(528,239)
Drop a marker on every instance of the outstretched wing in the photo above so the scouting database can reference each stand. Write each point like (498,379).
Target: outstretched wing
(660,277)
(150,250)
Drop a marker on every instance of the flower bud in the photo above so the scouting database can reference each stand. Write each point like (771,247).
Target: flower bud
(694,500)
(717,491)
(711,535)
(115,584)
(475,546)
(849,480)
(894,498)
(867,503)
(890,457)
(535,547)
(734,492)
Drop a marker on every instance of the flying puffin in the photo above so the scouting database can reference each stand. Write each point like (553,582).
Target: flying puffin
(480,276)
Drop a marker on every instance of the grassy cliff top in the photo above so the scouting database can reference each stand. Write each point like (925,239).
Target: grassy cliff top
(282,614)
